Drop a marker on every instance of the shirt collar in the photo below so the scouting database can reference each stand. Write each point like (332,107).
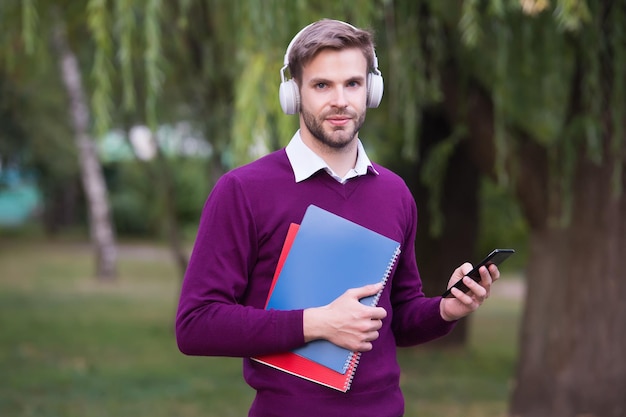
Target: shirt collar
(305,162)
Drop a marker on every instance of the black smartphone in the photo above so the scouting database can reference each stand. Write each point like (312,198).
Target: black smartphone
(496,257)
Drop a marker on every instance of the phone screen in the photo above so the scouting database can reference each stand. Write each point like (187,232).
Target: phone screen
(496,257)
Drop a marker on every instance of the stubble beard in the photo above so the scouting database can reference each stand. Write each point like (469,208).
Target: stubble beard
(338,137)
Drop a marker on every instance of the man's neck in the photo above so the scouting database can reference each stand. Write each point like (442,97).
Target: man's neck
(340,160)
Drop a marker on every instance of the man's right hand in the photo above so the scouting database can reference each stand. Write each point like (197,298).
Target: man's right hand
(346,322)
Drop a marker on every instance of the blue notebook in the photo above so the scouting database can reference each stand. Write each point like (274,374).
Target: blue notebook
(328,256)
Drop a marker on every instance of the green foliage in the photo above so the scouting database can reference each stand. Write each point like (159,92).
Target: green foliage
(152,58)
(469,24)
(125,27)
(618,96)
(502,225)
(34,129)
(99,22)
(253,130)
(192,188)
(411,49)
(29,25)
(132,197)
(555,73)
(136,201)
(433,174)
(572,14)
(216,62)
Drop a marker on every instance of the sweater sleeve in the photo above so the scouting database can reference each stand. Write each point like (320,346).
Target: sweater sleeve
(416,318)
(211,319)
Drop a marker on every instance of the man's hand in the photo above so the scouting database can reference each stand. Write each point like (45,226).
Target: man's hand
(463,304)
(346,322)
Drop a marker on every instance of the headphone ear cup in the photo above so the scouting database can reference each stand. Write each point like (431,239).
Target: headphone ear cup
(289,97)
(375,86)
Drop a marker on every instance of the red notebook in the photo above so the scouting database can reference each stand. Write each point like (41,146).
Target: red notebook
(298,365)
(291,235)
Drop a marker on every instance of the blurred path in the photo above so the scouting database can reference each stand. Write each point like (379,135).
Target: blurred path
(511,286)
(143,251)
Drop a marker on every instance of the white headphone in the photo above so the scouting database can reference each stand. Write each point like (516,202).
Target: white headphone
(289,95)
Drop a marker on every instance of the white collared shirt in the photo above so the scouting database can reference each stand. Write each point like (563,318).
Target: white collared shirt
(305,162)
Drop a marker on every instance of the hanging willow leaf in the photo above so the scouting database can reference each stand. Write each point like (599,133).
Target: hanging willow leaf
(99,23)
(433,176)
(571,15)
(152,59)
(125,26)
(29,25)
(618,93)
(469,25)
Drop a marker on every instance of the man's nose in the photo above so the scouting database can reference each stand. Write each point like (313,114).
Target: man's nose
(339,98)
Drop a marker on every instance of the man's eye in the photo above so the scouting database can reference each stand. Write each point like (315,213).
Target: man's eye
(353,84)
(320,85)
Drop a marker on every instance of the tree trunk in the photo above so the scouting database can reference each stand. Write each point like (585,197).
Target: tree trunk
(168,196)
(100,227)
(571,361)
(572,342)
(166,192)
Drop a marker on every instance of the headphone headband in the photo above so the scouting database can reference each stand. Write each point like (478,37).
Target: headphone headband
(295,38)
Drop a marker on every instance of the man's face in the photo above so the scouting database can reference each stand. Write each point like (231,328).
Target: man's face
(333,97)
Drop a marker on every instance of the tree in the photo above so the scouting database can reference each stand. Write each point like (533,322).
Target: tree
(532,94)
(565,169)
(30,46)
(571,363)
(94,185)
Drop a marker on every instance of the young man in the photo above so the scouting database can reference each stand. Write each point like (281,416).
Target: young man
(245,221)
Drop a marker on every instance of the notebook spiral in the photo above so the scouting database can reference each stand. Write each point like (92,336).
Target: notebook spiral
(352,364)
(390,266)
(353,360)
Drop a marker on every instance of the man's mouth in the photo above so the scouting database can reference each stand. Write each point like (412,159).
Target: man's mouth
(338,121)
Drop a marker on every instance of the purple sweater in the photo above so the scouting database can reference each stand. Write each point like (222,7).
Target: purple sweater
(240,236)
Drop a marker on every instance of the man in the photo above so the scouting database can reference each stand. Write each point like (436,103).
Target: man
(245,221)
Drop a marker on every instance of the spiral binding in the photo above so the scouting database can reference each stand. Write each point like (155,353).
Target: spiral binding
(353,360)
(392,262)
(352,364)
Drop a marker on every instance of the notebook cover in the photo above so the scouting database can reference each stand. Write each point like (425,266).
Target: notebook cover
(298,365)
(291,234)
(329,255)
(305,368)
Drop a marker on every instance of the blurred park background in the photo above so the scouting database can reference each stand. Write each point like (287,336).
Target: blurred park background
(505,118)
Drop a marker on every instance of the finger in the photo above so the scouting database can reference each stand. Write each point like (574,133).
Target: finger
(378,313)
(371,336)
(364,347)
(366,343)
(460,272)
(485,277)
(486,281)
(375,325)
(463,297)
(466,268)
(494,272)
(478,290)
(365,291)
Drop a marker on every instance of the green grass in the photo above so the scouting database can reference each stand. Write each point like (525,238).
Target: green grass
(72,347)
(470,382)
